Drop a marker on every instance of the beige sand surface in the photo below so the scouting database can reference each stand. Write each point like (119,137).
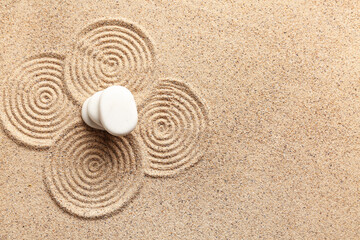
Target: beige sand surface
(263,97)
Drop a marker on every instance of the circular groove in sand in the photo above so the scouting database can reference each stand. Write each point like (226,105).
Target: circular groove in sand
(110,52)
(33,100)
(92,174)
(171,125)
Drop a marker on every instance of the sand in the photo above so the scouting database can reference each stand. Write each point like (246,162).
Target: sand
(248,120)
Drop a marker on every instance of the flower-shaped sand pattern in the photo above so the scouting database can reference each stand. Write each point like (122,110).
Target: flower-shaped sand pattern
(90,173)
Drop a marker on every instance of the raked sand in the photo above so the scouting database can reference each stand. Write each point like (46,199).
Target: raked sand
(248,124)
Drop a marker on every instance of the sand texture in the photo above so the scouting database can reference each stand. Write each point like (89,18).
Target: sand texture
(249,120)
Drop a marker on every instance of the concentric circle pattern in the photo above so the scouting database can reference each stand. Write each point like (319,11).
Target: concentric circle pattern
(34,103)
(92,174)
(172,124)
(110,52)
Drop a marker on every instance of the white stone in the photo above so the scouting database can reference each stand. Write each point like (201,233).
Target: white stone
(118,112)
(86,118)
(93,108)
